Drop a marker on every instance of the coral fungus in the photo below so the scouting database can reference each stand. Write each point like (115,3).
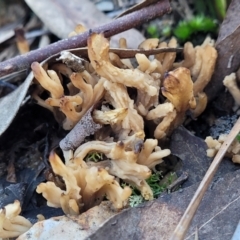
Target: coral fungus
(111,101)
(11,223)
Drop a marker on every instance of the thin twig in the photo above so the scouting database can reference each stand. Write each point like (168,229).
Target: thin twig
(114,27)
(187,217)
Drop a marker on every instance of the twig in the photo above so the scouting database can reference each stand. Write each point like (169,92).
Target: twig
(187,217)
(84,128)
(114,27)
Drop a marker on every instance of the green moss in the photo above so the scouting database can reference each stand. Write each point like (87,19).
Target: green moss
(135,200)
(154,182)
(185,29)
(238,137)
(152,31)
(94,156)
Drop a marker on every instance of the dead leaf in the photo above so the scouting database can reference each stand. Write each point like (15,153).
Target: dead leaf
(11,103)
(152,220)
(217,216)
(71,227)
(11,12)
(192,151)
(11,192)
(6,35)
(228,49)
(157,219)
(185,222)
(61,17)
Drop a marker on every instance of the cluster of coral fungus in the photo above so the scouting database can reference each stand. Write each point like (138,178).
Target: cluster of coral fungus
(214,145)
(233,152)
(116,101)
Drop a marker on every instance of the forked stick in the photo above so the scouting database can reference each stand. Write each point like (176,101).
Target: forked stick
(182,227)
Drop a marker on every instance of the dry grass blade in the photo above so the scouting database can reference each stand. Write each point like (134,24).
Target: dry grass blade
(187,217)
(128,53)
